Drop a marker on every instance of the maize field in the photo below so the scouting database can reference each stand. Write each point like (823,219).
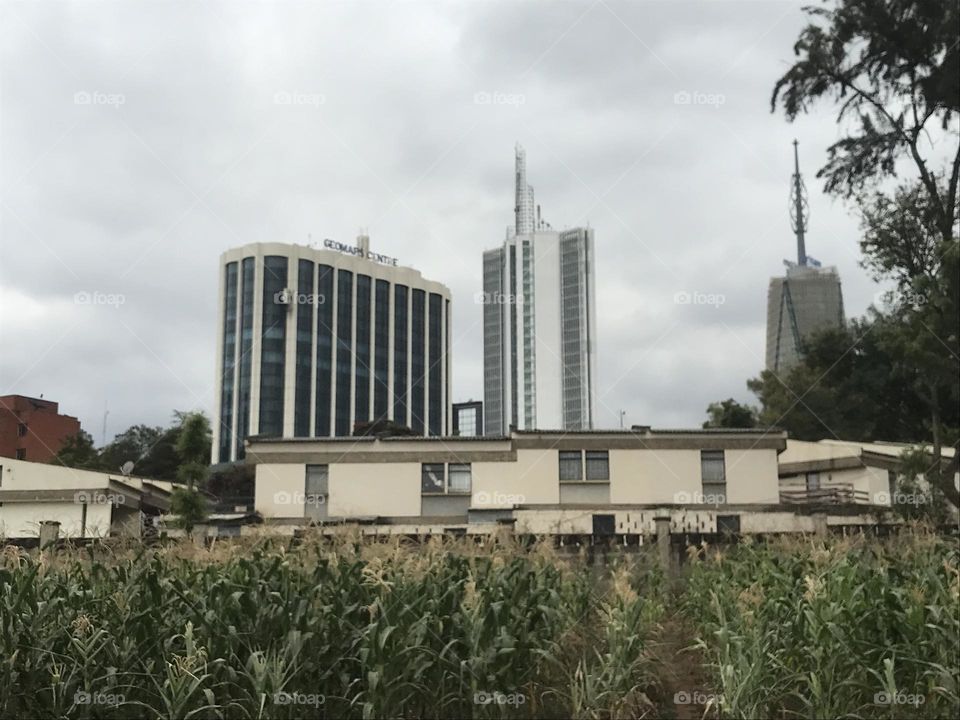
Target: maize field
(828,630)
(444,629)
(452,628)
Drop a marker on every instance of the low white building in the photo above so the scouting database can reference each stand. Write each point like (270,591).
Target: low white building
(586,482)
(85,503)
(841,471)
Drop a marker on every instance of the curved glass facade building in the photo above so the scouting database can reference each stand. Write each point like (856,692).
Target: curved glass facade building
(313,341)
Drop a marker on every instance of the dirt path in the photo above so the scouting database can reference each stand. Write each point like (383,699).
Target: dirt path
(683,677)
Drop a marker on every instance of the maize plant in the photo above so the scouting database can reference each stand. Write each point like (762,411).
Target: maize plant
(321,629)
(848,628)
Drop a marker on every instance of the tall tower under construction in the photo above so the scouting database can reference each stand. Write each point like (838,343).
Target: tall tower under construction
(808,298)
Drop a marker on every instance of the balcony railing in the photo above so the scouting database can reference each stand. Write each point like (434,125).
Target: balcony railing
(833,495)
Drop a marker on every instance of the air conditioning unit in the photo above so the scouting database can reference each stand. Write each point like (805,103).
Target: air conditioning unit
(285,297)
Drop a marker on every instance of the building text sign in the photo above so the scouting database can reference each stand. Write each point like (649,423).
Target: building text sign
(359,252)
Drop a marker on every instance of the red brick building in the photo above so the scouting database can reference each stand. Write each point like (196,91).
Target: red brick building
(33,429)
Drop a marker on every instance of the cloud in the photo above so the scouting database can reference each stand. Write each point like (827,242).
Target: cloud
(383,131)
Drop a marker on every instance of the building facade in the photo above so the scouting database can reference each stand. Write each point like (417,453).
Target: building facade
(541,482)
(468,418)
(805,300)
(32,428)
(539,323)
(313,341)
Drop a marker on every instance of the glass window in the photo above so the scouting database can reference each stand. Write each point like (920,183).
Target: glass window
(431,480)
(304,360)
(381,348)
(315,491)
(712,466)
(418,368)
(362,372)
(273,345)
(21,453)
(400,329)
(435,366)
(571,466)
(460,478)
(246,354)
(713,476)
(324,374)
(344,351)
(229,358)
(813,481)
(598,465)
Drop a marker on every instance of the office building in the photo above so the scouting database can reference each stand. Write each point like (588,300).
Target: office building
(539,323)
(807,299)
(315,340)
(468,418)
(33,429)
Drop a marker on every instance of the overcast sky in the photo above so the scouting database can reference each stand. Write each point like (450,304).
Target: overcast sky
(140,140)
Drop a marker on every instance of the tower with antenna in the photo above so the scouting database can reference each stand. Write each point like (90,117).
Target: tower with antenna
(808,298)
(799,207)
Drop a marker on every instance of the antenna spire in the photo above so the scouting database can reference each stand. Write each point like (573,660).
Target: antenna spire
(799,207)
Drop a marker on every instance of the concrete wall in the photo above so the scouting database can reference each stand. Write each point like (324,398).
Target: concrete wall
(533,479)
(654,476)
(22,520)
(388,489)
(752,477)
(279,490)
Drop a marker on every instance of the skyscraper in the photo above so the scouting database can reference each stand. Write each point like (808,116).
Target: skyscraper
(808,298)
(313,341)
(539,322)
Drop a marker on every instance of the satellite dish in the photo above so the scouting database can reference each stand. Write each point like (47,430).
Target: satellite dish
(127,468)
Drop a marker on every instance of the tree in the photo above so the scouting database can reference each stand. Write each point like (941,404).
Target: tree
(892,66)
(730,414)
(78,452)
(132,445)
(193,448)
(850,384)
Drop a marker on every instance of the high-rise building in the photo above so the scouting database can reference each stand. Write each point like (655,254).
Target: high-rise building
(539,323)
(807,299)
(313,341)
